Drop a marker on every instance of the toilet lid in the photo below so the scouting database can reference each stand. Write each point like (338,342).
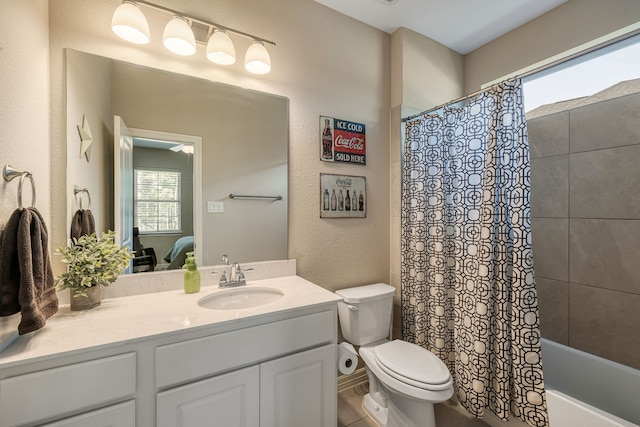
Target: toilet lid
(413,365)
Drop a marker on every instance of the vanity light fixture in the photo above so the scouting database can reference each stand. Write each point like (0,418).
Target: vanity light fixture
(220,49)
(178,37)
(257,60)
(130,24)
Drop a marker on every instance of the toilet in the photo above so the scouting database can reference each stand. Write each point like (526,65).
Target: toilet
(405,380)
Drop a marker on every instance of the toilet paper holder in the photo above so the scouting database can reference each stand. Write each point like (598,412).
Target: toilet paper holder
(347,358)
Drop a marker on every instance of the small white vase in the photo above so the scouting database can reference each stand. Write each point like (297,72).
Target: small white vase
(80,302)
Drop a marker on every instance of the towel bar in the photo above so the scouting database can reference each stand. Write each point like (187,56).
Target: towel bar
(239,196)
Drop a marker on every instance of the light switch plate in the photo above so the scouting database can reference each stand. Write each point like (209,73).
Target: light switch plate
(215,207)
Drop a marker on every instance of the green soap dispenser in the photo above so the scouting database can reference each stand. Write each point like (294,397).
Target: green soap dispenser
(192,275)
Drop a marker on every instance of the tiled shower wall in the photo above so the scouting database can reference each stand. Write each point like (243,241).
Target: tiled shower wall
(585,197)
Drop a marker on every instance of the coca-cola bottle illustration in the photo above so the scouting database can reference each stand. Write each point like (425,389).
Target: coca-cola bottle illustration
(361,202)
(325,200)
(347,202)
(327,141)
(340,201)
(334,200)
(354,201)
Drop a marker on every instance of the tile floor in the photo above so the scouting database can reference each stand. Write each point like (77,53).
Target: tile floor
(351,414)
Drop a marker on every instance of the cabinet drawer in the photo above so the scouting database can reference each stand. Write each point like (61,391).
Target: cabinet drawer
(185,361)
(37,396)
(122,415)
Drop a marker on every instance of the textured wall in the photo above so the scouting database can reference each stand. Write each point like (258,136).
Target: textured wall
(324,62)
(24,103)
(569,25)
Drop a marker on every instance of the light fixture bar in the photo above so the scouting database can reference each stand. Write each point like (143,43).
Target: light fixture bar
(202,22)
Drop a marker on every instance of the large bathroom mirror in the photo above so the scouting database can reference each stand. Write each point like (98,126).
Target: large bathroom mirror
(207,168)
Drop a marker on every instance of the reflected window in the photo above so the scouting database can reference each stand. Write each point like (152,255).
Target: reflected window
(157,201)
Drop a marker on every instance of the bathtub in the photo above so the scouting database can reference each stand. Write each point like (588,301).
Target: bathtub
(566,411)
(584,390)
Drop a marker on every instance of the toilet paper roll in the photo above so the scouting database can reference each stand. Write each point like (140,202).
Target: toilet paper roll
(347,358)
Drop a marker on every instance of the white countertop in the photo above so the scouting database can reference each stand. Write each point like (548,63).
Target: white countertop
(139,317)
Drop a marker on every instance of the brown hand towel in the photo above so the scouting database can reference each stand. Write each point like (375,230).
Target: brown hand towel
(37,295)
(88,223)
(82,224)
(9,266)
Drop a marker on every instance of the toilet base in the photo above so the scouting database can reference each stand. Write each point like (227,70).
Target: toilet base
(394,410)
(376,412)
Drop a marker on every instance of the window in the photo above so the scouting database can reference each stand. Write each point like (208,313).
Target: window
(584,76)
(157,201)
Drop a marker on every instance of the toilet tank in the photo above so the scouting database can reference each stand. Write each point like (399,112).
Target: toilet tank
(365,313)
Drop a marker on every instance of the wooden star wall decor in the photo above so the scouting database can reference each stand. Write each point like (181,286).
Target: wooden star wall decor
(86,138)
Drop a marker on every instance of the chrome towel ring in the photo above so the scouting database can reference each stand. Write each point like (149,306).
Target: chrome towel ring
(82,191)
(9,173)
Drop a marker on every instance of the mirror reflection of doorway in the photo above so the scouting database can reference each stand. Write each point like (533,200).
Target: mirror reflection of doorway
(160,205)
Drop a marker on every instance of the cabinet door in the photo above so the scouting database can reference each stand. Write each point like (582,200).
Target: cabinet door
(300,390)
(122,415)
(229,400)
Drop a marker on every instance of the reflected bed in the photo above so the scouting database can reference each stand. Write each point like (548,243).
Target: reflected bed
(178,252)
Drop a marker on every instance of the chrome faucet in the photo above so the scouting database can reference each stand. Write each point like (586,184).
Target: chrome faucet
(236,278)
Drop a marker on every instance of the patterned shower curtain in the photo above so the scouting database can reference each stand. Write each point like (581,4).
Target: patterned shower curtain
(468,289)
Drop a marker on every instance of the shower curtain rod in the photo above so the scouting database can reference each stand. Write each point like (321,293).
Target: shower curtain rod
(535,70)
(455,101)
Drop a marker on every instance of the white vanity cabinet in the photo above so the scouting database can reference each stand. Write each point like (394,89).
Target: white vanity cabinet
(277,374)
(228,400)
(163,360)
(62,391)
(122,415)
(291,391)
(300,390)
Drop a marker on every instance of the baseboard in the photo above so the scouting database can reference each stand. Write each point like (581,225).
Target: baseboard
(347,381)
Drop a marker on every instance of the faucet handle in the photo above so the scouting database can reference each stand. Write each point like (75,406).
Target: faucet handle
(241,272)
(223,277)
(225,259)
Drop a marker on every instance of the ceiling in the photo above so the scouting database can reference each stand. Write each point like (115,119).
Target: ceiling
(461,25)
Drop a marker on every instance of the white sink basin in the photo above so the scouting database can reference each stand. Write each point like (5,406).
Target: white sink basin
(239,298)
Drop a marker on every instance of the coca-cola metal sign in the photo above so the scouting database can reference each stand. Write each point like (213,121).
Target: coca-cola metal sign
(342,141)
(343,196)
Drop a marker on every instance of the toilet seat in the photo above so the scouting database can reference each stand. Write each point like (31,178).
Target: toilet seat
(391,382)
(412,365)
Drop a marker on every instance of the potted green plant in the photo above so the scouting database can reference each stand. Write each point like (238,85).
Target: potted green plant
(91,264)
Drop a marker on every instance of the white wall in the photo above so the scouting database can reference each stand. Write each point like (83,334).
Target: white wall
(324,62)
(24,101)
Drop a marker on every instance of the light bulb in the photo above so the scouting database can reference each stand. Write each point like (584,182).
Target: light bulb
(178,37)
(257,60)
(220,49)
(129,23)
